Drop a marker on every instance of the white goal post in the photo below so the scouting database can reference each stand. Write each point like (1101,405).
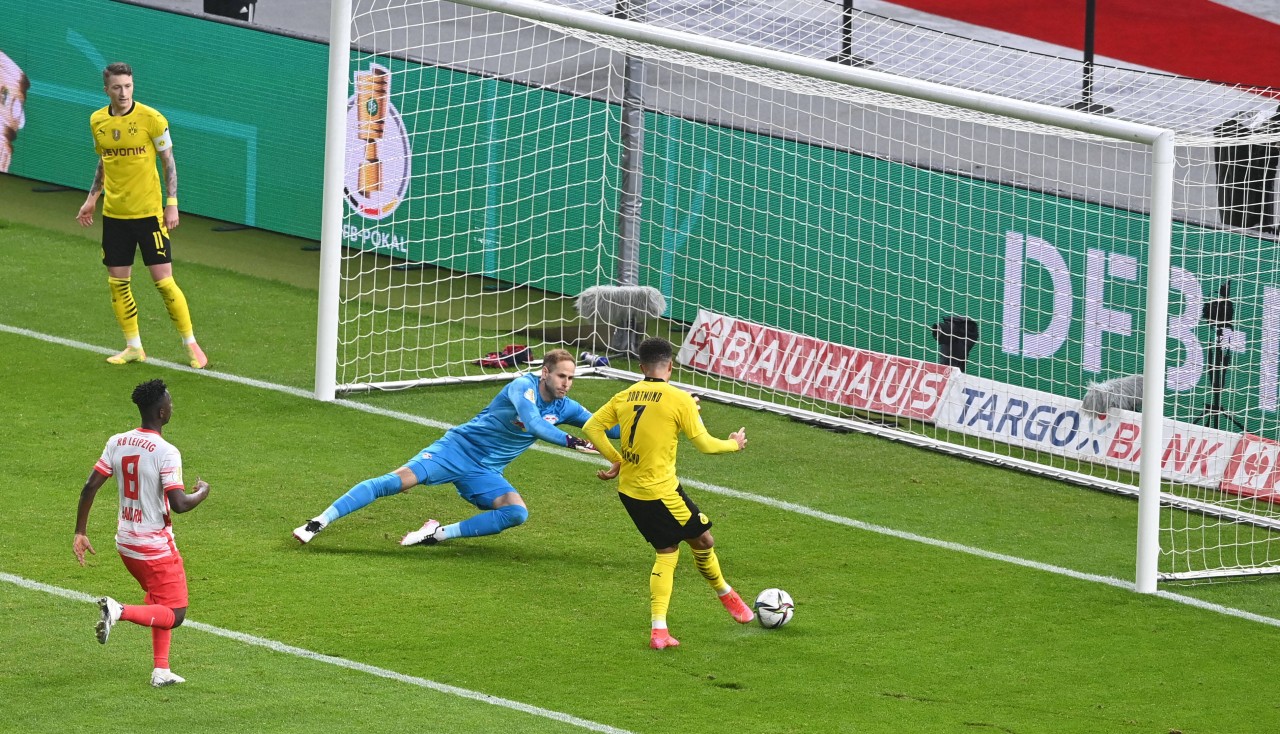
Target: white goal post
(824,236)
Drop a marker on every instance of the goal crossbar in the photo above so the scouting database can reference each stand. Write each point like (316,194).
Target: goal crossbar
(1060,117)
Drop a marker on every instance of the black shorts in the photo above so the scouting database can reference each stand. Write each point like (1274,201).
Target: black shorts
(121,238)
(666,521)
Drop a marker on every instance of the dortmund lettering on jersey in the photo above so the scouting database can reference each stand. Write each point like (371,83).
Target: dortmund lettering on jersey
(651,415)
(128,145)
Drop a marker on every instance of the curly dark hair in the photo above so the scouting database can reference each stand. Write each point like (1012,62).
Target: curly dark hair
(654,350)
(148,395)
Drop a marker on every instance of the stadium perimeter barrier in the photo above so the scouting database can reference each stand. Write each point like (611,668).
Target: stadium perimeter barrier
(248,128)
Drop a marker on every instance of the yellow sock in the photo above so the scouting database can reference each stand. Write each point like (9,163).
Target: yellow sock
(177,305)
(125,309)
(661,580)
(709,566)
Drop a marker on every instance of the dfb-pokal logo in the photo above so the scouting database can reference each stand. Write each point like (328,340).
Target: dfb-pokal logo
(378,152)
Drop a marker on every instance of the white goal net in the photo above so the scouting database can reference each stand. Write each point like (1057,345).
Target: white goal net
(932,242)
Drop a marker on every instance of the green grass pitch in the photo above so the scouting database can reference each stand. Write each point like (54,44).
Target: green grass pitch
(933,594)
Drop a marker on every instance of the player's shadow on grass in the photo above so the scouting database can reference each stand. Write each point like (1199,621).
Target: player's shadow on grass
(391,550)
(458,552)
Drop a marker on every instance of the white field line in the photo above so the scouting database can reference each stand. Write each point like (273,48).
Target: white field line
(340,662)
(703,486)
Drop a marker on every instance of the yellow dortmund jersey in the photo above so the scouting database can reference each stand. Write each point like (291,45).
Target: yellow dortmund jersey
(128,145)
(651,415)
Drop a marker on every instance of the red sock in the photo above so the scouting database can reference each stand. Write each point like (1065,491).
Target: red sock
(149,615)
(160,639)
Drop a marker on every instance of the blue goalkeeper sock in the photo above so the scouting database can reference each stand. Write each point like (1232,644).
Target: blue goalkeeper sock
(488,523)
(363,494)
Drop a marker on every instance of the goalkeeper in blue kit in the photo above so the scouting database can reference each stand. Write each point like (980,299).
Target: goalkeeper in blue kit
(472,457)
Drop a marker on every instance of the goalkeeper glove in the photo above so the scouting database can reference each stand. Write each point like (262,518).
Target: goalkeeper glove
(578,444)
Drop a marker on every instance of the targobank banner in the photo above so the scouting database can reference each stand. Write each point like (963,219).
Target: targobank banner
(952,400)
(1192,454)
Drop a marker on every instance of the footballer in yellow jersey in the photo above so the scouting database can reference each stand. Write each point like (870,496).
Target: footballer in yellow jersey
(651,415)
(128,137)
(128,144)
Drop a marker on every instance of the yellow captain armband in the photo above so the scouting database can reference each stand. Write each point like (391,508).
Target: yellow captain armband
(171,201)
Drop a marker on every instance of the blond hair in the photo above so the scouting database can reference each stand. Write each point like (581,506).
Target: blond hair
(554,357)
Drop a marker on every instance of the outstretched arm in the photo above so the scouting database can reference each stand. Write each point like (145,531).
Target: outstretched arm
(81,543)
(708,444)
(693,427)
(525,401)
(580,415)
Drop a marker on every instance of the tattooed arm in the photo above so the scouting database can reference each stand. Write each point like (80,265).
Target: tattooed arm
(170,187)
(91,201)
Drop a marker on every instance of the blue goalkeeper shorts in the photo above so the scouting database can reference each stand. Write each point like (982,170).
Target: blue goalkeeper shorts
(445,464)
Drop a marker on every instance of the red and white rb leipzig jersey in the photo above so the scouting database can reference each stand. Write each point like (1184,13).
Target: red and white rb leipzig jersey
(145,467)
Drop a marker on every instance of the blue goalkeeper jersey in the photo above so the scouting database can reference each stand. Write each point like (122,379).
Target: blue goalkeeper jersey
(511,422)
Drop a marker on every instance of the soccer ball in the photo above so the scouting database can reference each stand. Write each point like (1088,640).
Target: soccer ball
(774,608)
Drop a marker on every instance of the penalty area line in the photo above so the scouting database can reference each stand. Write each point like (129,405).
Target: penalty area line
(715,489)
(281,647)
